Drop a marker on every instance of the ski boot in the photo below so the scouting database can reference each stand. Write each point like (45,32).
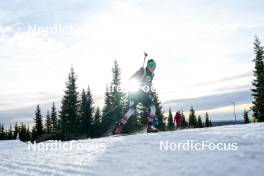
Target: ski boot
(118,129)
(151,128)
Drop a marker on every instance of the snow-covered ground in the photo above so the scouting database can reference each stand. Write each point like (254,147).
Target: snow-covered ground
(141,155)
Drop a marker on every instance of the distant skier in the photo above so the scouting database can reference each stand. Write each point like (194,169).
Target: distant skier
(141,94)
(178,120)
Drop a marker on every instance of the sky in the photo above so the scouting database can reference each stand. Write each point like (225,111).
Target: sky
(203,50)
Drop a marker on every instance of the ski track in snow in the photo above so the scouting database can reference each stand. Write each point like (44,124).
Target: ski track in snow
(140,155)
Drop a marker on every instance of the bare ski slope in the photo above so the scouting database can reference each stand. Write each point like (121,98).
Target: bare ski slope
(141,155)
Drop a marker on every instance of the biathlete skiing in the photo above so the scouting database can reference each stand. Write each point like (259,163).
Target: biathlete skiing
(142,79)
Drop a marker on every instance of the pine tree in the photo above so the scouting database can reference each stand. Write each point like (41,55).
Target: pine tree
(159,113)
(107,111)
(192,119)
(208,123)
(23,132)
(27,135)
(184,122)
(170,125)
(10,136)
(86,111)
(90,107)
(97,124)
(258,82)
(1,131)
(4,134)
(115,100)
(200,122)
(118,97)
(48,123)
(54,120)
(38,124)
(246,118)
(69,114)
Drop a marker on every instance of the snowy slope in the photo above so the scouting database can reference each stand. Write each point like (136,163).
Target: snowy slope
(141,155)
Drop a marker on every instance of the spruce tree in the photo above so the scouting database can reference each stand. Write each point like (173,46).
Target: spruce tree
(192,119)
(69,114)
(10,136)
(23,132)
(200,122)
(246,118)
(184,122)
(170,125)
(115,100)
(48,123)
(38,124)
(207,121)
(159,113)
(54,120)
(27,136)
(258,82)
(96,130)
(107,111)
(1,131)
(90,107)
(86,111)
(118,97)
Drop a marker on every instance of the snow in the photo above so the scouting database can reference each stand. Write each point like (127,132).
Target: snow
(141,155)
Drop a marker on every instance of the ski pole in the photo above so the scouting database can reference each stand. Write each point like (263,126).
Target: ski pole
(145,56)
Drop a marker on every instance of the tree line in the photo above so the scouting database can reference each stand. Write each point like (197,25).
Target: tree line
(192,122)
(18,131)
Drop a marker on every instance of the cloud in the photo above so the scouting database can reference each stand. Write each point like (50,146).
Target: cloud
(233,88)
(210,101)
(25,100)
(25,114)
(219,107)
(230,78)
(226,112)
